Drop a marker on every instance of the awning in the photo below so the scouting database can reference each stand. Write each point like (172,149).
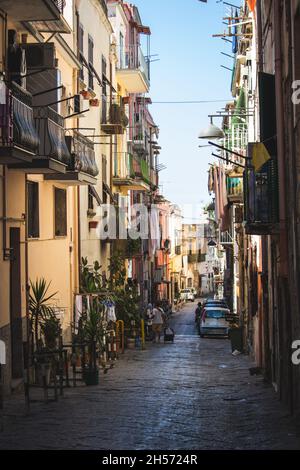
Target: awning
(95,195)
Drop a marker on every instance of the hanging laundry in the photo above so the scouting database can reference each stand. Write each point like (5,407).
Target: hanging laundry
(78,310)
(2,92)
(251,4)
(111,314)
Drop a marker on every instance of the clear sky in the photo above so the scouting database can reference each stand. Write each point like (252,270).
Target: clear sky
(189,69)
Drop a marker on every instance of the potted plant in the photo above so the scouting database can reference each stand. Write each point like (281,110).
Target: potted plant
(45,328)
(51,330)
(93,332)
(91,280)
(93,224)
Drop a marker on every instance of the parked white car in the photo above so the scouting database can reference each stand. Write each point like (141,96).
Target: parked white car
(187,294)
(214,321)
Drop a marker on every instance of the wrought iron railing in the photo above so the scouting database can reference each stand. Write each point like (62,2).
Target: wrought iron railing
(16,119)
(50,128)
(60,5)
(83,156)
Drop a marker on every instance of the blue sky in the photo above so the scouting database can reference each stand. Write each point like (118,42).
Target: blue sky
(188,69)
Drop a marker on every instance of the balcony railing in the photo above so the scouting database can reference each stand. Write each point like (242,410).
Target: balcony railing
(128,167)
(50,128)
(261,211)
(43,15)
(123,166)
(114,119)
(178,250)
(60,5)
(82,152)
(141,169)
(131,57)
(196,258)
(153,177)
(17,129)
(134,69)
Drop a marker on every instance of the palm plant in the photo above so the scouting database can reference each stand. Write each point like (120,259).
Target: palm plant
(40,309)
(93,331)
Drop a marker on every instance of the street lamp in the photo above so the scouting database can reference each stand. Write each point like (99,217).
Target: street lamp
(211,132)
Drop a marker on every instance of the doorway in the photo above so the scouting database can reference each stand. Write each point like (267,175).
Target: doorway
(16,306)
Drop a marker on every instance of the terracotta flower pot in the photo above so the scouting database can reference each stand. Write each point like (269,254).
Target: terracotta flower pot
(86,94)
(95,103)
(93,224)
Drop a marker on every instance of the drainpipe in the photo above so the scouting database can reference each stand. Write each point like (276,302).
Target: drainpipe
(4,213)
(286,334)
(27,287)
(283,265)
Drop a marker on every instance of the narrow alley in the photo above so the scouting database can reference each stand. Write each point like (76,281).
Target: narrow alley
(192,394)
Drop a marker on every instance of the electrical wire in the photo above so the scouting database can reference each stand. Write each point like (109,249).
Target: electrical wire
(190,102)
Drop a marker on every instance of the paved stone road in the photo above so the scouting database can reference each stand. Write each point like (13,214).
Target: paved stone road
(192,394)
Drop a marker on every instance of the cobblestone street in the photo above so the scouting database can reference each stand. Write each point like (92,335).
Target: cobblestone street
(192,394)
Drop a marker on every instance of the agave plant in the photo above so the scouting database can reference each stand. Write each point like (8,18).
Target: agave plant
(40,309)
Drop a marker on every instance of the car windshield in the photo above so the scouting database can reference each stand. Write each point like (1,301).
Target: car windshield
(215,304)
(214,314)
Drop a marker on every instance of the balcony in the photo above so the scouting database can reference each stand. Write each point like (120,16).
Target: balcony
(139,143)
(18,138)
(235,190)
(153,178)
(178,250)
(130,172)
(82,168)
(261,207)
(133,70)
(128,248)
(53,155)
(44,15)
(194,258)
(115,121)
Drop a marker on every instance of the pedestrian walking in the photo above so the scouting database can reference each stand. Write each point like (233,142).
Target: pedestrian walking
(198,313)
(157,323)
(148,321)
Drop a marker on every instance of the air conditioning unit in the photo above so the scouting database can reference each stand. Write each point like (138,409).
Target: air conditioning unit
(40,56)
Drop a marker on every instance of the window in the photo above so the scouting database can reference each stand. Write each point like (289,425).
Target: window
(81,49)
(90,199)
(91,62)
(104,92)
(60,202)
(33,219)
(121,59)
(104,178)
